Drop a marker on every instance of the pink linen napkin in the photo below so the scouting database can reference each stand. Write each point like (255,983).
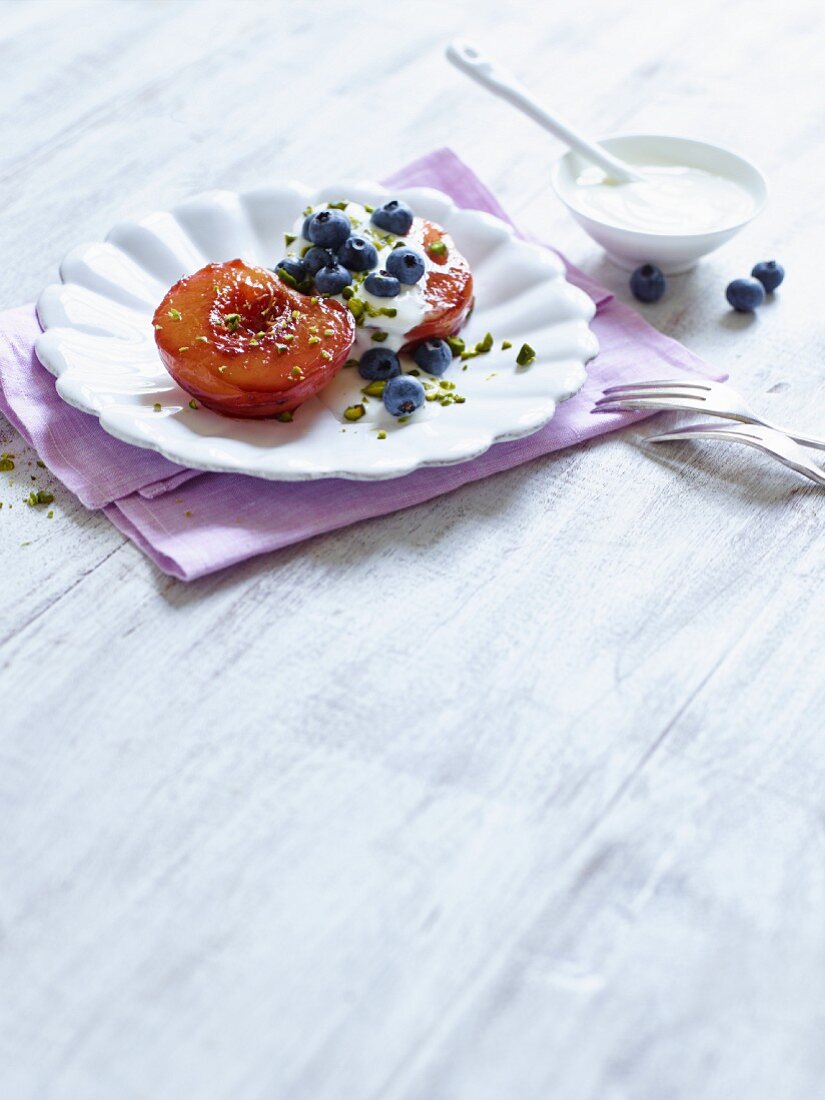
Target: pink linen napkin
(191,523)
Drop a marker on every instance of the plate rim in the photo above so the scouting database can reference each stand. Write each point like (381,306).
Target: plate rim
(77,397)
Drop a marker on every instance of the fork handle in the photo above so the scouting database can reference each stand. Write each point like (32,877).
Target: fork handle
(805,440)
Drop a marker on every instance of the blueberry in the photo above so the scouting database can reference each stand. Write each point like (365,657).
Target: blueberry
(305,227)
(328,228)
(358,254)
(648,283)
(394,216)
(403,395)
(296,269)
(770,274)
(745,295)
(433,356)
(382,284)
(332,279)
(379,364)
(407,266)
(317,258)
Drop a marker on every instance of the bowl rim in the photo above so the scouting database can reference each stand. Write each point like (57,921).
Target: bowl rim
(654,235)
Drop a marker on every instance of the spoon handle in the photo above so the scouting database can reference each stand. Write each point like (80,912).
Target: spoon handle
(498,80)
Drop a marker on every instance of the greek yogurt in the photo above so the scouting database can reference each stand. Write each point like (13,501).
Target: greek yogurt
(395,316)
(670,199)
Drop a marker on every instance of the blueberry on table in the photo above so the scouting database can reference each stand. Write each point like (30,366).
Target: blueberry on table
(770,274)
(382,284)
(394,216)
(327,228)
(296,270)
(317,258)
(648,283)
(332,279)
(403,395)
(406,265)
(379,364)
(745,295)
(433,356)
(358,254)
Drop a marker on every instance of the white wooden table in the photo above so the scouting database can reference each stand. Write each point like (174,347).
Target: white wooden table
(515,795)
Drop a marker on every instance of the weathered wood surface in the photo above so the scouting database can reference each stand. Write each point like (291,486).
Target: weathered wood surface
(517,794)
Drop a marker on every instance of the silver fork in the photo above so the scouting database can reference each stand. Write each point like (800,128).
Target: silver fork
(699,395)
(767,440)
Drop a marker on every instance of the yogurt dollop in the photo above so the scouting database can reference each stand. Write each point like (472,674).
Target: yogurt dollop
(395,316)
(670,199)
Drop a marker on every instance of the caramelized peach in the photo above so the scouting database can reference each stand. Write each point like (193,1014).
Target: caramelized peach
(245,344)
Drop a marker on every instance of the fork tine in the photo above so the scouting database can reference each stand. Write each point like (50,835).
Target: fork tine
(646,401)
(657,395)
(659,384)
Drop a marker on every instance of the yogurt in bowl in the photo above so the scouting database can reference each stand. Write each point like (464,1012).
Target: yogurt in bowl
(692,198)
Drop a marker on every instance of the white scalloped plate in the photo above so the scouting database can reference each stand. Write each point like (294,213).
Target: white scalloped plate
(99,343)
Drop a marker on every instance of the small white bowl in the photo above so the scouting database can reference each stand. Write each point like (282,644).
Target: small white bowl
(672,252)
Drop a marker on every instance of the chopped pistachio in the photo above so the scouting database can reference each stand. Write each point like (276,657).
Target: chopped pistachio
(39,497)
(232,321)
(253,343)
(337,205)
(329,332)
(525,356)
(41,464)
(308,210)
(296,315)
(282,349)
(305,249)
(314,301)
(382,435)
(369,209)
(288,337)
(50,514)
(415,372)
(314,340)
(356,307)
(6,463)
(223,368)
(505,344)
(156,407)
(296,372)
(201,339)
(387,311)
(354,412)
(374,389)
(326,354)
(289,238)
(351,363)
(459,400)
(285,277)
(403,419)
(437,248)
(484,345)
(184,348)
(284,417)
(379,337)
(456,345)
(193,404)
(175,314)
(469,354)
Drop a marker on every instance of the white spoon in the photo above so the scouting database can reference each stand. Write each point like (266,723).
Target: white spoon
(498,80)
